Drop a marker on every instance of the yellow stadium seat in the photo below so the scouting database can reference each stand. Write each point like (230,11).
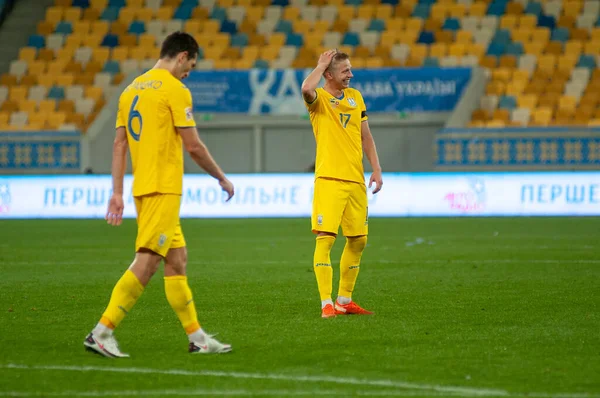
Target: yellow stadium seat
(541,35)
(528,101)
(567,62)
(134,3)
(99,27)
(478,9)
(138,53)
(366,11)
(457,50)
(37,120)
(192,27)
(66,106)
(74,41)
(514,8)
(65,53)
(250,52)
(45,54)
(508,21)
(171,3)
(580,34)
(291,13)
(54,14)
(26,105)
(457,10)
(47,106)
(28,81)
(464,37)
(515,88)
(521,75)
(301,26)
(57,67)
(144,14)
(418,51)
(270,52)
(374,62)
(534,47)
(541,116)
(388,38)
(346,13)
(414,24)
(36,67)
(223,64)
(361,52)
(120,53)
(213,52)
(554,48)
(45,28)
(434,25)
(567,102)
(55,119)
(408,37)
(243,63)
(63,3)
(254,14)
(98,4)
(592,47)
(146,40)
(384,11)
(128,40)
(573,47)
(165,13)
(93,40)
(528,21)
(81,27)
(438,50)
(127,15)
(222,40)
(547,62)
(72,14)
(477,50)
(211,27)
(91,14)
(200,13)
(225,3)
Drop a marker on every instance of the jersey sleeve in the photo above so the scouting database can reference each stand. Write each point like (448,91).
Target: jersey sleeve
(312,106)
(363,108)
(121,120)
(180,103)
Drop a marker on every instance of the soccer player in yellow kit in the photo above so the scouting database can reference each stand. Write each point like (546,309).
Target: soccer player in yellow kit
(340,124)
(155,122)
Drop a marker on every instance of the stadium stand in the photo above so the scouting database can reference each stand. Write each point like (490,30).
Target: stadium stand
(540,56)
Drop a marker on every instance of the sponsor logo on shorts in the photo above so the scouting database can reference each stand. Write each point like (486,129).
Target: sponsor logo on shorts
(320,219)
(162,239)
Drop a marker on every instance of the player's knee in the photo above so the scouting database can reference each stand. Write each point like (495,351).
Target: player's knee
(357,243)
(326,240)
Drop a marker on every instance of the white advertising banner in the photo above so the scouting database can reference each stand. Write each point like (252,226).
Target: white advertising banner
(290,195)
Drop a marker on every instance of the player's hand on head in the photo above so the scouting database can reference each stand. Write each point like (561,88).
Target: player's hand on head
(114,215)
(227,186)
(377,179)
(326,57)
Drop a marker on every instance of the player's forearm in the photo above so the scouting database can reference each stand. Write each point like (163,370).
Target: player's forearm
(204,159)
(370,150)
(118,166)
(311,82)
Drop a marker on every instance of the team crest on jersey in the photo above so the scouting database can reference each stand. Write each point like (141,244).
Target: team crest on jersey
(189,115)
(351,102)
(334,102)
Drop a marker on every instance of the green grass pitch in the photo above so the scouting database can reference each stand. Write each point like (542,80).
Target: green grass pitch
(487,307)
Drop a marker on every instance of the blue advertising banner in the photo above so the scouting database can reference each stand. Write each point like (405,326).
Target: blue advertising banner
(277,92)
(43,150)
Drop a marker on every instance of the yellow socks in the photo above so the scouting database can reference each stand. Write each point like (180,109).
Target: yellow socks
(124,296)
(349,265)
(179,296)
(322,265)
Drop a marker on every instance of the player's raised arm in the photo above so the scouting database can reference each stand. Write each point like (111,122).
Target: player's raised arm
(200,154)
(369,148)
(114,215)
(309,85)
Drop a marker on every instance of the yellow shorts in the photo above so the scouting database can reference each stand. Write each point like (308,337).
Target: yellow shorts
(158,223)
(338,202)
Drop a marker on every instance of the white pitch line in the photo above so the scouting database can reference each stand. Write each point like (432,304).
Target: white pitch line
(271,376)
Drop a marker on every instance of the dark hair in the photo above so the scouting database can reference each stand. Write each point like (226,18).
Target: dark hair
(178,42)
(339,56)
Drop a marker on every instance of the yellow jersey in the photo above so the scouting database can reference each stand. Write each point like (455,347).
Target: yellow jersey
(151,108)
(336,124)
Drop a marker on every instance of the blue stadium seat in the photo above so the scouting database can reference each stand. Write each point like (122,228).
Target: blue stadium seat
(502,36)
(294,39)
(184,12)
(37,41)
(239,40)
(284,26)
(534,8)
(353,2)
(451,24)
(431,62)
(228,26)
(281,3)
(190,3)
(81,3)
(137,28)
(110,41)
(261,64)
(391,2)
(587,61)
(56,93)
(218,13)
(116,3)
(507,102)
(426,37)
(497,8)
(112,67)
(515,49)
(377,25)
(546,21)
(560,34)
(64,27)
(351,39)
(421,11)
(496,49)
(110,14)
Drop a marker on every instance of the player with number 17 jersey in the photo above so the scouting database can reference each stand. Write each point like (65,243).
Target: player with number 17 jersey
(151,108)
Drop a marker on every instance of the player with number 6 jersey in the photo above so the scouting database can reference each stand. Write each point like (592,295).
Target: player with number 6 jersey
(340,124)
(155,122)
